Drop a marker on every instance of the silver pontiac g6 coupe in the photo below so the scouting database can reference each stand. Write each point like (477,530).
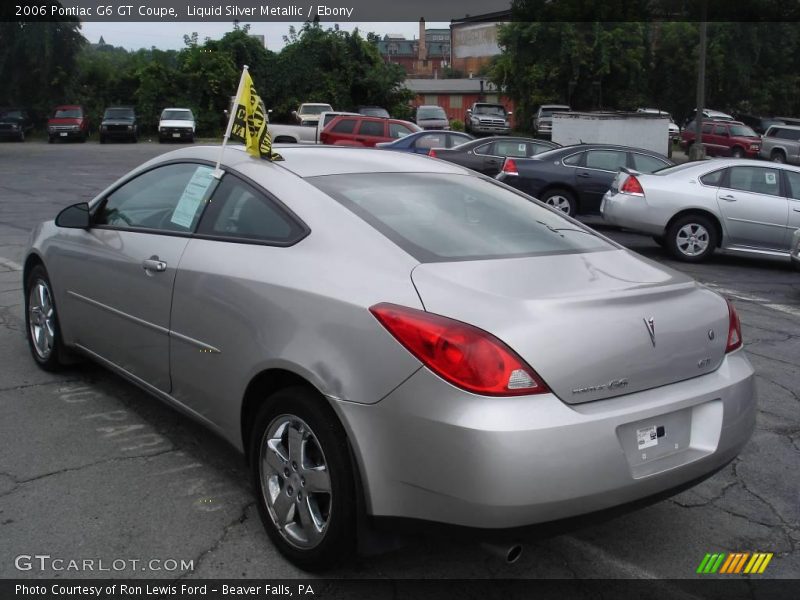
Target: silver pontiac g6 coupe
(394,335)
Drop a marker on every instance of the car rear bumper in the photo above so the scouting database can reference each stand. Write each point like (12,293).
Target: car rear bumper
(633,212)
(431,451)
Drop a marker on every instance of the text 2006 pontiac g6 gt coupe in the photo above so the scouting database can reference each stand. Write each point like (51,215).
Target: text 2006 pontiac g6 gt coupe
(396,333)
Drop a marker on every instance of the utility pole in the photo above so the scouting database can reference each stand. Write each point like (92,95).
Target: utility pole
(698,151)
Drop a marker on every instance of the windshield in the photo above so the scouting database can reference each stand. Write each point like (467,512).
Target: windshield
(177,115)
(445,217)
(68,113)
(314,109)
(490,109)
(743,131)
(11,114)
(118,113)
(431,112)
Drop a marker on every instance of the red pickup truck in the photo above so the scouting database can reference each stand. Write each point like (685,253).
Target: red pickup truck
(68,122)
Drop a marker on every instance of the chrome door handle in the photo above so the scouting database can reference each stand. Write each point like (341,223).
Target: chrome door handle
(583,175)
(728,198)
(153,264)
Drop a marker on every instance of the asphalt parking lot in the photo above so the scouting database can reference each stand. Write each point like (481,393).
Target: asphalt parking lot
(91,467)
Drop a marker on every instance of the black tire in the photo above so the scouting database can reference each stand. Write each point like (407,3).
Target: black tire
(737,152)
(83,138)
(102,139)
(681,246)
(57,356)
(50,139)
(21,137)
(191,139)
(160,140)
(337,544)
(562,200)
(659,239)
(778,156)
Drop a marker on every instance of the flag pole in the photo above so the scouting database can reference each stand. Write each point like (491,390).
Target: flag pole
(217,171)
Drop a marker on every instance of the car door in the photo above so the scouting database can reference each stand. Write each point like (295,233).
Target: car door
(793,196)
(371,131)
(595,175)
(242,242)
(119,274)
(754,208)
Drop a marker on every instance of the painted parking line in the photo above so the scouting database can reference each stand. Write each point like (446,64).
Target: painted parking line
(10,264)
(765,302)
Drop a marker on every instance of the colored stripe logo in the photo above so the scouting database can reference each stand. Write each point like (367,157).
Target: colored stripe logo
(735,563)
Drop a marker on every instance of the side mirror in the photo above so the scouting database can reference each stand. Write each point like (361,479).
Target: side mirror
(74,217)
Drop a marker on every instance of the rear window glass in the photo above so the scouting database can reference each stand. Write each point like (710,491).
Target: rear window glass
(714,178)
(444,217)
(371,128)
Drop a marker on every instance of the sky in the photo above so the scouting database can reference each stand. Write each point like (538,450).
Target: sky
(165,36)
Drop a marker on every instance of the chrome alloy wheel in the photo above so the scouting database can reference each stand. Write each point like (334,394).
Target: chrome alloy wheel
(560,202)
(41,319)
(295,481)
(692,239)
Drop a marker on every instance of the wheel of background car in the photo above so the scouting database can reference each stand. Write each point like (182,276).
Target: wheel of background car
(41,320)
(692,238)
(778,156)
(21,135)
(560,199)
(737,152)
(102,139)
(303,478)
(50,139)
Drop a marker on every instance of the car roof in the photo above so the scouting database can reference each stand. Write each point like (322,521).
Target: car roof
(177,108)
(783,125)
(715,164)
(313,161)
(593,146)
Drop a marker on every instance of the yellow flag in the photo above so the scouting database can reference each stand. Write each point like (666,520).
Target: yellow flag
(250,122)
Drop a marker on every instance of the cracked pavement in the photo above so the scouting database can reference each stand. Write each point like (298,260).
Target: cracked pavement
(94,468)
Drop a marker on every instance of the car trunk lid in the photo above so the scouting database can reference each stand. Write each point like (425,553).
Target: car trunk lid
(592,325)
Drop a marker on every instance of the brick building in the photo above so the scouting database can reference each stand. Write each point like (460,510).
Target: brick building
(455,96)
(425,56)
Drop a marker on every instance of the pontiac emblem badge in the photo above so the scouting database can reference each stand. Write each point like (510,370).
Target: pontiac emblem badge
(651,329)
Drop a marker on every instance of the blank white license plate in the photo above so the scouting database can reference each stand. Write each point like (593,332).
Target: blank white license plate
(63,134)
(176,135)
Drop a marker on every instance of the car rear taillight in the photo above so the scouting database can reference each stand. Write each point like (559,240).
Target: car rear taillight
(510,167)
(632,186)
(432,153)
(466,356)
(734,329)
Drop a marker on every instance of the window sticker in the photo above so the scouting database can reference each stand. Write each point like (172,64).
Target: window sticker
(193,196)
(770,178)
(521,147)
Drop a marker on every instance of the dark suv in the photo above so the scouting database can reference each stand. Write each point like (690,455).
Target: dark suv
(724,138)
(119,122)
(14,123)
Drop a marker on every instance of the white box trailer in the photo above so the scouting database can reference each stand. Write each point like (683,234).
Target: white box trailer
(640,130)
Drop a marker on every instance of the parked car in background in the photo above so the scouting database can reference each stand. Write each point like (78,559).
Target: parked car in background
(365,131)
(15,123)
(308,113)
(119,122)
(421,142)
(543,120)
(374,111)
(724,138)
(574,178)
(739,205)
(488,119)
(781,143)
(708,114)
(176,124)
(758,124)
(385,335)
(430,116)
(69,121)
(674,130)
(487,155)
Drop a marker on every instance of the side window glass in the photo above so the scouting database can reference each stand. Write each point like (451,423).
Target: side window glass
(720,130)
(239,210)
(482,149)
(646,164)
(755,179)
(397,131)
(168,198)
(607,160)
(706,129)
(344,126)
(537,148)
(574,160)
(432,140)
(794,184)
(371,128)
(456,140)
(714,178)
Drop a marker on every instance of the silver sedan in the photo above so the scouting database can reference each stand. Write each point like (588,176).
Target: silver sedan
(741,206)
(392,335)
